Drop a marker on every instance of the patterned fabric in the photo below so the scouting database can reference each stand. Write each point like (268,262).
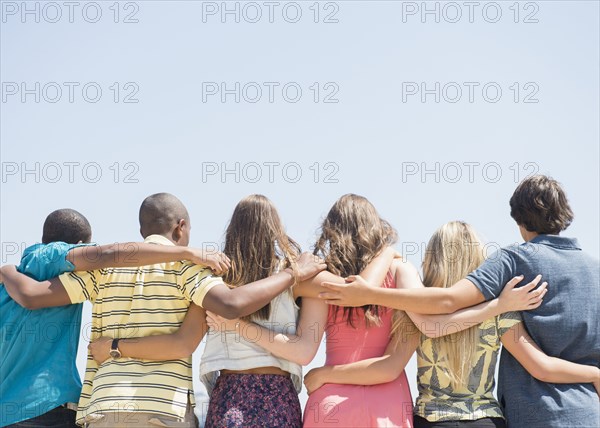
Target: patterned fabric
(253,401)
(438,401)
(138,302)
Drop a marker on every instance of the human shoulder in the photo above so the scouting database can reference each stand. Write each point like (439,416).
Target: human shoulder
(401,267)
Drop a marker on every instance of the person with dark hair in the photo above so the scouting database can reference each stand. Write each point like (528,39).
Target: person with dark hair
(147,301)
(42,389)
(66,225)
(565,326)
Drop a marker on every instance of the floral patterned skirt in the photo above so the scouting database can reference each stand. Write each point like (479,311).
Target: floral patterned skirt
(254,401)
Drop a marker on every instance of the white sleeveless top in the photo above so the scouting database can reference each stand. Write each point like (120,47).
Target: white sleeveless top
(230,351)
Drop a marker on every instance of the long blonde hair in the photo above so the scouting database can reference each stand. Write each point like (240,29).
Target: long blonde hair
(257,245)
(453,251)
(352,235)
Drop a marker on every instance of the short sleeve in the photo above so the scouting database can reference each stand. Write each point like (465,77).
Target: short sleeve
(198,281)
(45,261)
(493,274)
(508,320)
(81,285)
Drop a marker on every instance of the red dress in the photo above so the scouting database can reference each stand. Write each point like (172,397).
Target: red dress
(383,405)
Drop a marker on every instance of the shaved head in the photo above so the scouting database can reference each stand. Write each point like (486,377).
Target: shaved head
(160,213)
(66,225)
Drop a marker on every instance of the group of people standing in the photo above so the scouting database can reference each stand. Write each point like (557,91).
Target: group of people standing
(266,307)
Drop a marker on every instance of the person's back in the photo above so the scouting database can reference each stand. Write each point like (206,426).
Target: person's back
(346,343)
(48,378)
(226,351)
(137,302)
(358,405)
(565,326)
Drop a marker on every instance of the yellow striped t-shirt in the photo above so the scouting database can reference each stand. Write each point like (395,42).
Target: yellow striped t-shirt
(137,302)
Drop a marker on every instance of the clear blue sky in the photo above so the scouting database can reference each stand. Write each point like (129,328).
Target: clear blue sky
(376,140)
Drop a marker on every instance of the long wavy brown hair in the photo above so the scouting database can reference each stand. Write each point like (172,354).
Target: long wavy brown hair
(257,245)
(352,235)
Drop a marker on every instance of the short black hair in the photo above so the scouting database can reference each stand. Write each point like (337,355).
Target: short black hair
(160,212)
(66,225)
(540,205)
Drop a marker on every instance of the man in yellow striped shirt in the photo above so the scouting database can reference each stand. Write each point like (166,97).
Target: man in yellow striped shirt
(146,301)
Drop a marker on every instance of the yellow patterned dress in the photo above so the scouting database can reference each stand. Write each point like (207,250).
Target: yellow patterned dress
(438,401)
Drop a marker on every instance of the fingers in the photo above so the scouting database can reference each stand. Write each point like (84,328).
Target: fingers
(511,284)
(536,297)
(332,285)
(533,283)
(539,292)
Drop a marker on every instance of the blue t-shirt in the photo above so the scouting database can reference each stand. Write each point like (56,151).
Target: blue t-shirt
(566,325)
(39,348)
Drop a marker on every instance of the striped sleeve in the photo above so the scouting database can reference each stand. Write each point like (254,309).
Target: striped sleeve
(198,281)
(81,285)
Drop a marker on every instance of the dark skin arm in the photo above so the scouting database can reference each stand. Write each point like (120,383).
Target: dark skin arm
(133,254)
(180,344)
(32,294)
(237,302)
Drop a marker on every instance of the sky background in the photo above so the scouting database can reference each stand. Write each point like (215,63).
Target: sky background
(384,110)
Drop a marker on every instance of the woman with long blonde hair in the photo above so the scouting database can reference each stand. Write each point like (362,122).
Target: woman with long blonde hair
(457,352)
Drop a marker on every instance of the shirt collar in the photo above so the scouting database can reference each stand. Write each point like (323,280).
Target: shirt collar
(157,239)
(557,241)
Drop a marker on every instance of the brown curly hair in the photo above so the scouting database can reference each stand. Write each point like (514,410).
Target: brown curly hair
(352,235)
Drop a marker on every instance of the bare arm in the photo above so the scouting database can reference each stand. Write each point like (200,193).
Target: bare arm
(32,294)
(237,302)
(180,344)
(132,254)
(543,367)
(511,299)
(299,348)
(371,371)
(374,273)
(433,300)
(302,346)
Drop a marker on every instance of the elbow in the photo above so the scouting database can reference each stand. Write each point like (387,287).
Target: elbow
(28,303)
(448,305)
(541,371)
(183,350)
(305,359)
(389,375)
(232,310)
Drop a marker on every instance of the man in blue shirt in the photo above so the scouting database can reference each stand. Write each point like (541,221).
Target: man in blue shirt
(40,382)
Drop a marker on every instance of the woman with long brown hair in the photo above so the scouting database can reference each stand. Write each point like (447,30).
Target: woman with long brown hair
(248,385)
(353,238)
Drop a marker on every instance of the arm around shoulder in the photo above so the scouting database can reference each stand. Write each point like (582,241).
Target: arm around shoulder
(32,294)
